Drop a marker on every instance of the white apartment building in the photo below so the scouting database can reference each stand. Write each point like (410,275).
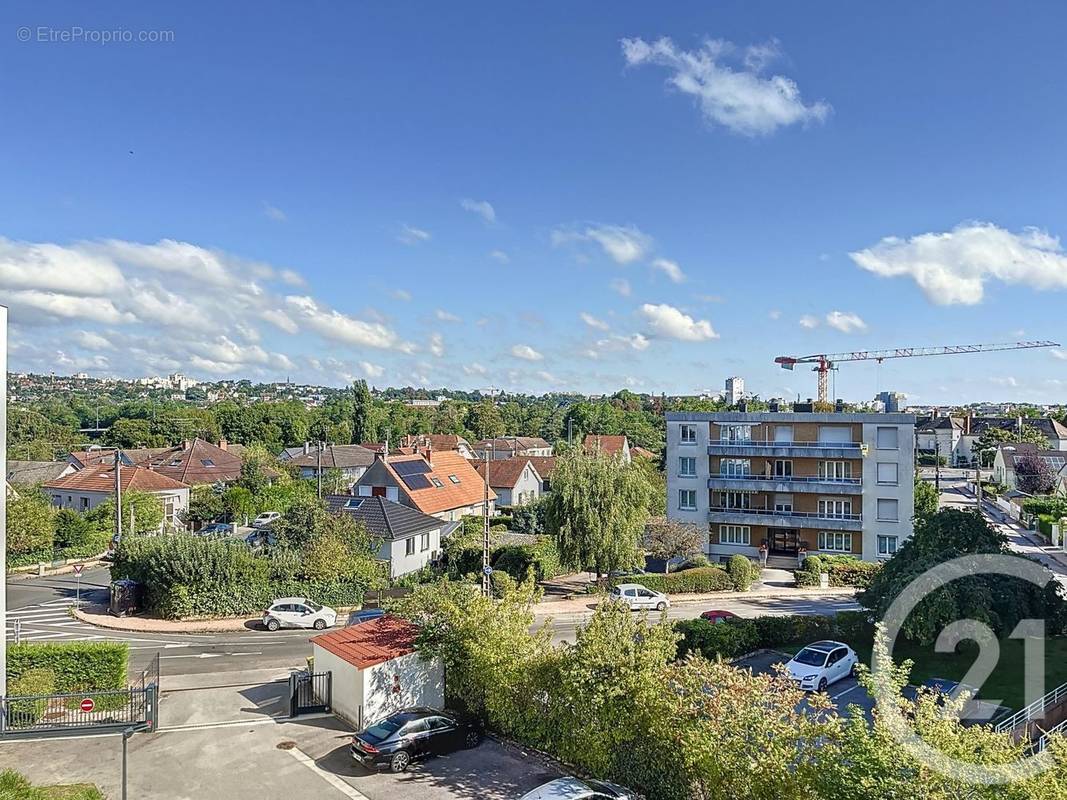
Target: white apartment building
(827,483)
(735,390)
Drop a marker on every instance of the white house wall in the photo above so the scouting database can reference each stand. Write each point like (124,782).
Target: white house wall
(420,683)
(395,550)
(347,688)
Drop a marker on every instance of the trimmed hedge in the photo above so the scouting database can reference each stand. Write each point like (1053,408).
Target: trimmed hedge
(76,666)
(696,580)
(518,559)
(742,572)
(26,713)
(736,637)
(842,571)
(95,547)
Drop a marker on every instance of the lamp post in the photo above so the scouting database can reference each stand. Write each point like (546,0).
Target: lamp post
(486,569)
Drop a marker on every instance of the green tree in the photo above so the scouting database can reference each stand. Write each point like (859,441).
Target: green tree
(484,420)
(206,504)
(77,530)
(362,405)
(668,538)
(926,499)
(992,437)
(142,512)
(597,509)
(31,523)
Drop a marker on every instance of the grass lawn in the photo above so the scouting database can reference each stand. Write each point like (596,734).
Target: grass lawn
(1005,683)
(14,786)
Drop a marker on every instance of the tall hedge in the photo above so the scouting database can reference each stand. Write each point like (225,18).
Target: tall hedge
(76,666)
(737,637)
(696,580)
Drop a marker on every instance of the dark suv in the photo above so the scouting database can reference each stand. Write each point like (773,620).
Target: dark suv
(394,742)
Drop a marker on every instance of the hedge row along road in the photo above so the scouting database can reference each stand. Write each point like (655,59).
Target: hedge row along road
(41,605)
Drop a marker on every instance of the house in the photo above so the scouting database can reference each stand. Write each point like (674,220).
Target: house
(195,462)
(613,446)
(87,488)
(955,436)
(515,480)
(92,456)
(377,670)
(439,442)
(1004,462)
(545,466)
(443,485)
(31,473)
(410,539)
(512,446)
(352,460)
(644,452)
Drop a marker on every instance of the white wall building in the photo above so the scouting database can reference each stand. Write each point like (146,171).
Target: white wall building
(735,390)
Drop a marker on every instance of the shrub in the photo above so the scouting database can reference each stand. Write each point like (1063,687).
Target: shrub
(736,637)
(14,786)
(850,571)
(699,560)
(501,519)
(73,529)
(1053,507)
(698,579)
(813,564)
(529,518)
(36,681)
(76,666)
(742,572)
(717,639)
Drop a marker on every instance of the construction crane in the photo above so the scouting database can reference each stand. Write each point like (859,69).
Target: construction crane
(824,362)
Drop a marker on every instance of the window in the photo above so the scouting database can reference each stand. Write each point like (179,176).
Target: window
(687,467)
(735,466)
(835,509)
(835,470)
(207,462)
(85,503)
(887,546)
(687,499)
(783,469)
(783,434)
(888,510)
(424,541)
(409,546)
(835,541)
(453,478)
(887,472)
(783,503)
(735,433)
(437,482)
(737,500)
(687,434)
(888,439)
(735,534)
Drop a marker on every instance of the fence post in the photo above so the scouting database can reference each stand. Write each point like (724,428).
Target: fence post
(329,690)
(292,695)
(151,696)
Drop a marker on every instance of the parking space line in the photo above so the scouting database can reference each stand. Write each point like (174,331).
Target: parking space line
(334,781)
(837,697)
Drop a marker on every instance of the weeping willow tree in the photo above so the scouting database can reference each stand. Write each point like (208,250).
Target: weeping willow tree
(597,511)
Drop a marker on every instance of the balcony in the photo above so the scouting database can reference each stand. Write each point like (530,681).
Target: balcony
(785,484)
(767,447)
(786,519)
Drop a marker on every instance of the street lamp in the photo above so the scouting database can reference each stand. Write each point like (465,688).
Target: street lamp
(486,569)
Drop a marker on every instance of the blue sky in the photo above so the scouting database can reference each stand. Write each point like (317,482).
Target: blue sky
(571,197)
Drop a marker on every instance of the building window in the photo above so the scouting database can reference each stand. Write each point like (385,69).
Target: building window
(783,503)
(888,510)
(783,469)
(835,470)
(735,433)
(887,546)
(85,503)
(687,499)
(742,500)
(424,541)
(735,534)
(735,466)
(409,546)
(835,541)
(687,467)
(453,479)
(437,482)
(887,473)
(687,434)
(835,509)
(888,438)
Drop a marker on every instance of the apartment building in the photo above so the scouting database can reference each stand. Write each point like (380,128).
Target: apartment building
(830,483)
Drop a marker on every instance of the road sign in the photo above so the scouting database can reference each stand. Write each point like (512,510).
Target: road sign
(87,705)
(78,569)
(487,570)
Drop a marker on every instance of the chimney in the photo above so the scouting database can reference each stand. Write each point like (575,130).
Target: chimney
(186,444)
(224,445)
(429,454)
(307,447)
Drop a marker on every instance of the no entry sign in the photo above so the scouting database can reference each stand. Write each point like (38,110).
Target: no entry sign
(87,705)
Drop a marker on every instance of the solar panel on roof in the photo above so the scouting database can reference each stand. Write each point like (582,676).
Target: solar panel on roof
(418,467)
(415,481)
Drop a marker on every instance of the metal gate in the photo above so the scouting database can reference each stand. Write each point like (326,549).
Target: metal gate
(310,692)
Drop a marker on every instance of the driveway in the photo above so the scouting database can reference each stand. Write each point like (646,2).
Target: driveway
(843,694)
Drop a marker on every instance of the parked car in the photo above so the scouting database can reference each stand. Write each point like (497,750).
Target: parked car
(637,596)
(261,538)
(620,573)
(394,742)
(215,529)
(718,616)
(298,612)
(820,664)
(580,789)
(364,615)
(266,519)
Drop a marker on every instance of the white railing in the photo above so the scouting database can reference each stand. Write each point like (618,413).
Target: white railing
(1042,743)
(773,443)
(733,476)
(1034,710)
(13,630)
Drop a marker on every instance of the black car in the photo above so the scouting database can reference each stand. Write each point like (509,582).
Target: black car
(365,615)
(394,742)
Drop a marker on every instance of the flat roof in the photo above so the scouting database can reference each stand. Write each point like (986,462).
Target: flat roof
(788,416)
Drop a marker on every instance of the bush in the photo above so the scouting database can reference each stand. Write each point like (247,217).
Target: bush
(26,713)
(76,666)
(742,572)
(736,637)
(501,519)
(717,639)
(1052,507)
(698,579)
(529,518)
(699,560)
(850,571)
(931,459)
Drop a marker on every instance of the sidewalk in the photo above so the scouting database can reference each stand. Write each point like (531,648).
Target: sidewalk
(98,615)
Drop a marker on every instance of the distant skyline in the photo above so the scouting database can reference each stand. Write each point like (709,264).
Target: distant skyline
(540,198)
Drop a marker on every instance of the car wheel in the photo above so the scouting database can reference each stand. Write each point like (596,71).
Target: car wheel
(320,625)
(661,606)
(822,684)
(399,762)
(852,670)
(272,625)
(472,740)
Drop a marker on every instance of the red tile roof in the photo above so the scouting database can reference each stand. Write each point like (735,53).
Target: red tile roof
(545,465)
(196,462)
(101,478)
(504,473)
(371,643)
(609,445)
(468,491)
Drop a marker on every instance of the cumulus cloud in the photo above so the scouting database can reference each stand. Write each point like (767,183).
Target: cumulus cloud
(1059,354)
(624,244)
(483,208)
(670,269)
(89,340)
(809,321)
(499,256)
(412,235)
(371,370)
(332,324)
(846,322)
(666,321)
(437,344)
(774,313)
(594,322)
(447,316)
(273,212)
(953,267)
(474,369)
(729,85)
(526,353)
(621,286)
(619,342)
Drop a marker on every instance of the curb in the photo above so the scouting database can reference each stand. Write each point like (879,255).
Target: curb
(31,571)
(224,625)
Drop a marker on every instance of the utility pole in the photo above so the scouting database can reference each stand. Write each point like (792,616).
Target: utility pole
(118,496)
(937,465)
(486,569)
(318,467)
(3,501)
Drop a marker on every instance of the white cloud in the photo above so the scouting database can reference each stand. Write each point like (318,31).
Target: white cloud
(621,286)
(774,313)
(273,212)
(670,269)
(92,341)
(546,376)
(845,321)
(809,321)
(526,353)
(624,244)
(953,268)
(593,322)
(403,295)
(1005,380)
(437,344)
(500,256)
(412,235)
(475,369)
(447,316)
(482,208)
(730,92)
(1060,354)
(668,322)
(371,370)
(332,324)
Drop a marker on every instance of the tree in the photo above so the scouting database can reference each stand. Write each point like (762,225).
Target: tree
(30,523)
(256,462)
(992,437)
(206,504)
(142,512)
(362,405)
(926,499)
(484,420)
(668,538)
(78,530)
(597,509)
(1034,475)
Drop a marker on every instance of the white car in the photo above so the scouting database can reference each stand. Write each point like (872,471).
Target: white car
(820,664)
(580,789)
(266,519)
(637,597)
(298,612)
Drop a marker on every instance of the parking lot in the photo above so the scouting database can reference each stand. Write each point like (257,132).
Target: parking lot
(843,694)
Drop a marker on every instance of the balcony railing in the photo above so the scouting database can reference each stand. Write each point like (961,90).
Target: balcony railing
(773,443)
(784,478)
(770,512)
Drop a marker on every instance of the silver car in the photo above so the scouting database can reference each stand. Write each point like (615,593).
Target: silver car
(580,789)
(298,612)
(637,597)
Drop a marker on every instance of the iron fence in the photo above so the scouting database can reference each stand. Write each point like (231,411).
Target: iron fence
(58,714)
(310,692)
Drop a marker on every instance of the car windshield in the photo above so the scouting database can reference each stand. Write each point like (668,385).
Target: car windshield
(313,606)
(811,658)
(381,730)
